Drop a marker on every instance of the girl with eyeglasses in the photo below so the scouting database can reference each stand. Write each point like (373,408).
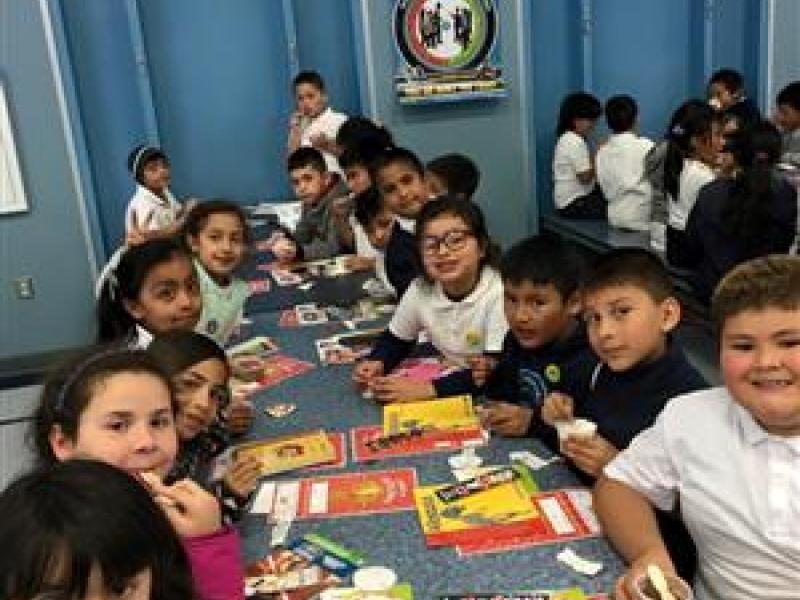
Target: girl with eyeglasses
(116,405)
(207,418)
(458,303)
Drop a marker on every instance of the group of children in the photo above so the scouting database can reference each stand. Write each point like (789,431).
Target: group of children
(124,501)
(714,193)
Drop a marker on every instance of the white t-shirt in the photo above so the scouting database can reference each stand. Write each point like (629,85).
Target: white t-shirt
(694,176)
(328,123)
(739,492)
(457,329)
(570,158)
(360,239)
(152,211)
(620,174)
(223,307)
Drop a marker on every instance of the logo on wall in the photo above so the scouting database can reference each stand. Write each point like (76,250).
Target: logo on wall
(447,49)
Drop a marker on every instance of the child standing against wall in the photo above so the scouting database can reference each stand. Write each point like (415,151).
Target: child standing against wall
(575,193)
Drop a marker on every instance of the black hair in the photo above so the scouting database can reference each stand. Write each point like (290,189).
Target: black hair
(367,206)
(61,522)
(68,391)
(350,157)
(578,105)
(630,266)
(310,77)
(176,351)
(197,218)
(746,212)
(363,138)
(543,260)
(460,174)
(730,79)
(693,118)
(140,156)
(621,113)
(790,95)
(472,216)
(125,282)
(396,155)
(306,156)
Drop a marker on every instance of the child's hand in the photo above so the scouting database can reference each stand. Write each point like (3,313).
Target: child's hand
(359,263)
(510,420)
(481,367)
(242,476)
(401,389)
(625,587)
(239,415)
(366,371)
(285,250)
(557,407)
(590,454)
(191,509)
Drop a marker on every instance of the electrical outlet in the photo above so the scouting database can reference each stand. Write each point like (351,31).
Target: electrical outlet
(23,286)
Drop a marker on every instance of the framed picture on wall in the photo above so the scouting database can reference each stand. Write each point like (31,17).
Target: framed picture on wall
(447,51)
(12,191)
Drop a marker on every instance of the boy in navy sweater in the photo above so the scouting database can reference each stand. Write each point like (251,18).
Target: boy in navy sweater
(545,349)
(630,311)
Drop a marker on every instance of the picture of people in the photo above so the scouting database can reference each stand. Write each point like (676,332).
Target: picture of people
(447,24)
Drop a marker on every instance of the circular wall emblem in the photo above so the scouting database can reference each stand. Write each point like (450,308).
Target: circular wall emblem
(445,35)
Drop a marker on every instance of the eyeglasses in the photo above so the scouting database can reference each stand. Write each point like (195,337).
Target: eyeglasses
(453,241)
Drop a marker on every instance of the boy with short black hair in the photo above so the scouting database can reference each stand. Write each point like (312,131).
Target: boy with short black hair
(400,178)
(314,123)
(315,236)
(620,168)
(788,119)
(727,456)
(453,174)
(376,221)
(726,93)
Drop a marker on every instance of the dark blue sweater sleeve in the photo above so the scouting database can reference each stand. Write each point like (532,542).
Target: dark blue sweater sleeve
(454,384)
(391,350)
(402,260)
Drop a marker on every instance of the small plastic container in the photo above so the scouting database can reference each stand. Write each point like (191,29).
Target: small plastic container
(679,588)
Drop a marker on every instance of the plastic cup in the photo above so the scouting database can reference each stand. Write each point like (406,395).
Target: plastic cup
(646,591)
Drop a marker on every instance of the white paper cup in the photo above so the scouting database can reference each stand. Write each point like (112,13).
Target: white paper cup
(579,428)
(374,580)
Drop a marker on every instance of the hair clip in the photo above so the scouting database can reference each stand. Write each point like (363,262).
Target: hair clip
(678,130)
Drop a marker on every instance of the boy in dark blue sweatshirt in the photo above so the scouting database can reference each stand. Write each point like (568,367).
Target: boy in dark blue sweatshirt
(545,349)
(630,311)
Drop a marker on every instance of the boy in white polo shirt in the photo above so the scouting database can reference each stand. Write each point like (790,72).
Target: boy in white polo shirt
(726,457)
(620,168)
(314,123)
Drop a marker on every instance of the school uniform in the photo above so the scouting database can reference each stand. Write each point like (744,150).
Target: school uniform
(620,174)
(316,233)
(736,486)
(790,148)
(458,329)
(223,306)
(693,177)
(654,171)
(327,123)
(149,211)
(525,376)
(403,262)
(139,338)
(710,251)
(572,198)
(745,111)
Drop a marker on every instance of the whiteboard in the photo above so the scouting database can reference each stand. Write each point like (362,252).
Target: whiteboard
(12,192)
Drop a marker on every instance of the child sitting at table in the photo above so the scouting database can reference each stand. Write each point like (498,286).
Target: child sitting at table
(453,174)
(315,236)
(86,530)
(207,417)
(152,211)
(153,289)
(216,231)
(400,179)
(376,221)
(726,457)
(630,312)
(546,348)
(458,302)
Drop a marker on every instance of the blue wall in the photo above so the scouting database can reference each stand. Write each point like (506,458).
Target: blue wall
(48,242)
